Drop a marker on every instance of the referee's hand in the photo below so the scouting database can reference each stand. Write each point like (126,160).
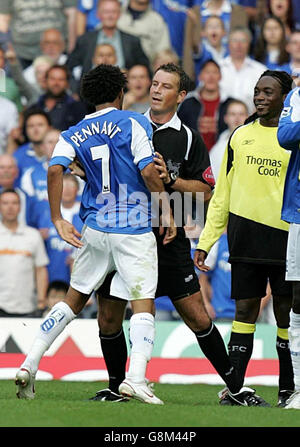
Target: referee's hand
(68,232)
(199,258)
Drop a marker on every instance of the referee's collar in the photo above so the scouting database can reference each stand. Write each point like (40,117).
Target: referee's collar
(174,122)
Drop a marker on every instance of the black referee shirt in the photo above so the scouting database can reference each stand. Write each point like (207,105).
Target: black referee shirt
(186,155)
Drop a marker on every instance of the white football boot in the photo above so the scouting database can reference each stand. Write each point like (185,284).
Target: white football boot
(140,391)
(25,384)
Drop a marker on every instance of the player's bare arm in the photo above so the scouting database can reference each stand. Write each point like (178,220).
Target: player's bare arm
(64,228)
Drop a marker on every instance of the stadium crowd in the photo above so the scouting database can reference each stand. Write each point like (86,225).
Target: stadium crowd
(46,48)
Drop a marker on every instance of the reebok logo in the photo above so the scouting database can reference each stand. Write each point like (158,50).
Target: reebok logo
(248,142)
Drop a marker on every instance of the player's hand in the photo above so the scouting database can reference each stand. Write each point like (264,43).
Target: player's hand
(168,227)
(76,168)
(68,232)
(161,167)
(199,258)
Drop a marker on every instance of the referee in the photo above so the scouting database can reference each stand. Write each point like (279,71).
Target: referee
(248,199)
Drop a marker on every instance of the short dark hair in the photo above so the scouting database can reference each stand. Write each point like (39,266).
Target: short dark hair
(35,111)
(185,83)
(10,190)
(63,68)
(57,285)
(211,61)
(102,84)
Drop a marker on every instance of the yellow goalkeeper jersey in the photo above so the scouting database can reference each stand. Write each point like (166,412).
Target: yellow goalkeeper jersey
(248,197)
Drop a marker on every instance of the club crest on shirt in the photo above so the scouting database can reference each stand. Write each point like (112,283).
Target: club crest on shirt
(173,166)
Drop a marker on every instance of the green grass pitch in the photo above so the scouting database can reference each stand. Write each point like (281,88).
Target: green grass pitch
(66,404)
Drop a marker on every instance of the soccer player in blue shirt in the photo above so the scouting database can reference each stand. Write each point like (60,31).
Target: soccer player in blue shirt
(289,138)
(116,152)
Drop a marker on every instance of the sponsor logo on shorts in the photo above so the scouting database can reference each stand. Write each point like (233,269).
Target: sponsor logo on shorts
(188,278)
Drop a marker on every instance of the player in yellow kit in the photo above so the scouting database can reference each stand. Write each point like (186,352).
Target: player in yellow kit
(248,200)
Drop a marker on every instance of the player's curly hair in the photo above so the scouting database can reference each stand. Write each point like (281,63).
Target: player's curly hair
(102,84)
(285,81)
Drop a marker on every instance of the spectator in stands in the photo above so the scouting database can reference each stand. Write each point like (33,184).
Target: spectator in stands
(232,15)
(36,125)
(235,115)
(105,53)
(128,47)
(64,111)
(59,252)
(52,45)
(293,48)
(9,120)
(211,45)
(27,21)
(175,14)
(283,9)
(203,109)
(34,179)
(239,72)
(30,91)
(270,48)
(11,90)
(137,96)
(164,57)
(22,257)
(86,18)
(29,213)
(139,19)
(56,292)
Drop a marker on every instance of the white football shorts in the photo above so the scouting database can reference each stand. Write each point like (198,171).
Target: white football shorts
(134,257)
(293,254)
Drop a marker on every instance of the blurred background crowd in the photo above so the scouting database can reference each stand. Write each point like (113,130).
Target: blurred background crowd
(45,49)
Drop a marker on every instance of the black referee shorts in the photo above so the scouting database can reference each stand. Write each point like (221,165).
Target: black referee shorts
(176,271)
(177,283)
(250,280)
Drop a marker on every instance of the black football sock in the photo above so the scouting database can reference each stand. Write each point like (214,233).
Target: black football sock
(240,348)
(114,350)
(286,374)
(213,347)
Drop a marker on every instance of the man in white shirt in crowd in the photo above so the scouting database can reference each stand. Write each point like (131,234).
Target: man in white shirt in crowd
(239,72)
(235,115)
(23,261)
(9,120)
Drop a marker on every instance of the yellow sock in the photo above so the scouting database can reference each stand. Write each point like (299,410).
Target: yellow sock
(243,328)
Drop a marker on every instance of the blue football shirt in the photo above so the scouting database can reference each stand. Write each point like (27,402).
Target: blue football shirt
(113,146)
